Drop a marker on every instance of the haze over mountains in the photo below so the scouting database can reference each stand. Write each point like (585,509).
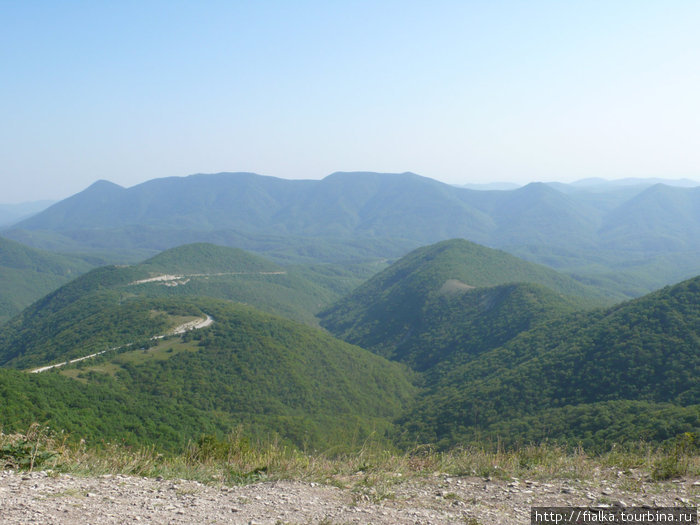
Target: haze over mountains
(629,237)
(11,213)
(358,314)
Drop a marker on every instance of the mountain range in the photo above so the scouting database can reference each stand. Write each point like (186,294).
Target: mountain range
(628,238)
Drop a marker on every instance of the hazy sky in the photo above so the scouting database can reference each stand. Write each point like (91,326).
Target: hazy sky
(463,91)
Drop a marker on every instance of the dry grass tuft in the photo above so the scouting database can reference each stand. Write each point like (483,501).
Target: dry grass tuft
(370,473)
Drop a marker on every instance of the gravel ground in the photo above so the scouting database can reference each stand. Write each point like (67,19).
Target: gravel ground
(39,497)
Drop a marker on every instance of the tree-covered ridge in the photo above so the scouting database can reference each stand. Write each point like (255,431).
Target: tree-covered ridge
(26,274)
(496,359)
(98,321)
(392,305)
(98,412)
(99,309)
(269,375)
(277,375)
(643,351)
(453,327)
(206,258)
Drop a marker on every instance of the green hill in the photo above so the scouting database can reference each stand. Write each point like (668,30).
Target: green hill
(269,375)
(627,372)
(72,319)
(457,324)
(208,258)
(26,274)
(297,292)
(96,411)
(425,291)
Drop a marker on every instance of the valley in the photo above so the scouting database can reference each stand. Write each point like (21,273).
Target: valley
(331,263)
(446,346)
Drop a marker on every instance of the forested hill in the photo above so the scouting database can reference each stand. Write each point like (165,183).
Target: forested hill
(501,348)
(627,372)
(435,296)
(75,318)
(267,375)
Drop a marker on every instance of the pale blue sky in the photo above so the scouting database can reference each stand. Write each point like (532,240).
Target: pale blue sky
(463,91)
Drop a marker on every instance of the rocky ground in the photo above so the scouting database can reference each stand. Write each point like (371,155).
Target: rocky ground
(41,497)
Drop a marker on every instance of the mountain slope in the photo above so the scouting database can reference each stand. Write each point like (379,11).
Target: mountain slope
(347,216)
(70,320)
(660,218)
(267,374)
(11,213)
(262,373)
(27,274)
(640,357)
(458,324)
(391,307)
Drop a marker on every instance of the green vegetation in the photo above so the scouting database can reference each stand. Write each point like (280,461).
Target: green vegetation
(455,326)
(103,308)
(27,274)
(427,291)
(92,323)
(206,270)
(591,232)
(625,373)
(203,258)
(273,375)
(371,471)
(501,351)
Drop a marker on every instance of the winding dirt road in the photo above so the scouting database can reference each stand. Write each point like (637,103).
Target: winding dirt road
(180,329)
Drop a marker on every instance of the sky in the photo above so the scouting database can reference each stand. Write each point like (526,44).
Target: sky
(459,91)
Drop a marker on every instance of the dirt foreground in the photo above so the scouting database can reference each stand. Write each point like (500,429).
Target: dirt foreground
(42,497)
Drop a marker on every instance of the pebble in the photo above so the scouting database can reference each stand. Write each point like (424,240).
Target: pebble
(441,499)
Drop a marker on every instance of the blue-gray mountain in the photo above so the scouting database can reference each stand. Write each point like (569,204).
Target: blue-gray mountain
(630,238)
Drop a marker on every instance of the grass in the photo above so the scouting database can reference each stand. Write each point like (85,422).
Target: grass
(162,350)
(370,473)
(165,349)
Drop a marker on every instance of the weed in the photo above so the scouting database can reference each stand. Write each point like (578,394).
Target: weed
(28,451)
(371,473)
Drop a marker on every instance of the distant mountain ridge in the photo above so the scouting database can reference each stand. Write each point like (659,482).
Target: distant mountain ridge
(586,231)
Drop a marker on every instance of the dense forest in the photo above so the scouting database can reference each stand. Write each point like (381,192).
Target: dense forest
(453,344)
